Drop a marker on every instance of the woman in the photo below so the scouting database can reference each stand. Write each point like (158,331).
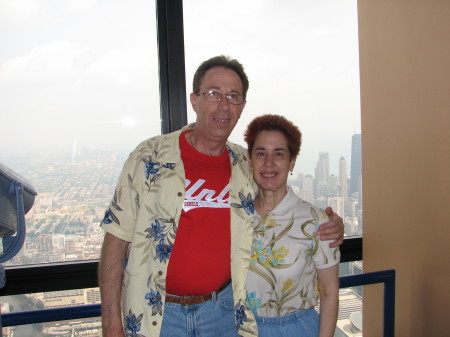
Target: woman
(290,266)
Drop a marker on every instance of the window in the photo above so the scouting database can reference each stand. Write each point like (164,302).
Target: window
(302,61)
(79,89)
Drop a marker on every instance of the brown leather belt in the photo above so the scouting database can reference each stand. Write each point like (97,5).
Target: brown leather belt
(194,299)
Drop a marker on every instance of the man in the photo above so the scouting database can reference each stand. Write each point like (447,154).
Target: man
(193,187)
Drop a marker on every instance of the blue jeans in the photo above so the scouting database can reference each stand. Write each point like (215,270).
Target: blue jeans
(213,318)
(303,323)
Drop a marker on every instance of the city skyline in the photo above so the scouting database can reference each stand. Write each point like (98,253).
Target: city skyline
(64,224)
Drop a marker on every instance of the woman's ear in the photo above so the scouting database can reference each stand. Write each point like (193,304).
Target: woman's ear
(292,164)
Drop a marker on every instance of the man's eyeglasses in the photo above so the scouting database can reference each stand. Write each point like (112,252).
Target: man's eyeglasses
(215,96)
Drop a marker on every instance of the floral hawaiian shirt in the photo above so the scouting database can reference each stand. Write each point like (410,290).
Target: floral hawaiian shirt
(145,211)
(285,255)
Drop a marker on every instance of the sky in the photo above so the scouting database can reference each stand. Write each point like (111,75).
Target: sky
(83,74)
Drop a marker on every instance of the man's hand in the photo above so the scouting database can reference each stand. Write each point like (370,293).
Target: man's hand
(333,229)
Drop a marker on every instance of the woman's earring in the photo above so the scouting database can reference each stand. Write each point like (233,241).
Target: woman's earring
(291,172)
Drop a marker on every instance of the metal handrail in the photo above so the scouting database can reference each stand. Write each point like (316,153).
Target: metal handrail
(388,278)
(51,315)
(94,310)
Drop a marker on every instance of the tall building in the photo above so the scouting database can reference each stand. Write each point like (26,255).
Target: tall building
(307,182)
(323,168)
(55,299)
(45,243)
(322,175)
(343,192)
(337,203)
(356,165)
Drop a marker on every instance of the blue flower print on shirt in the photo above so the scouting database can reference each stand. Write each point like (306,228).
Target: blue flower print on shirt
(156,231)
(262,259)
(257,245)
(154,300)
(152,168)
(133,325)
(163,251)
(253,302)
(247,203)
(249,206)
(169,165)
(241,317)
(107,217)
(233,155)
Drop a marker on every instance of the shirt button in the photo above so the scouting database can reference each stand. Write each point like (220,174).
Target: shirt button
(160,273)
(154,323)
(180,194)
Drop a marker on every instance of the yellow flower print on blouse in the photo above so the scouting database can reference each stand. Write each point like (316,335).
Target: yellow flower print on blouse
(267,256)
(286,253)
(288,284)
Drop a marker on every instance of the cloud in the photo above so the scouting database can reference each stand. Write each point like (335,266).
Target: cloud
(60,59)
(80,5)
(20,12)
(124,67)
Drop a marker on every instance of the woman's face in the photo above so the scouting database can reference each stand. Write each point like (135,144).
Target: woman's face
(271,162)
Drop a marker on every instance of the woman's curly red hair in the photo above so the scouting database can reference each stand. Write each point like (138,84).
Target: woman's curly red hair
(274,123)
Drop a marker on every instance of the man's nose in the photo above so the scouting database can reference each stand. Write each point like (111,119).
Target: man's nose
(224,101)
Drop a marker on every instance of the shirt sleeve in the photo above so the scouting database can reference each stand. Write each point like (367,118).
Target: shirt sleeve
(325,256)
(120,217)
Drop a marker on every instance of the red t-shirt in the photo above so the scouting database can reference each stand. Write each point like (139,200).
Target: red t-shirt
(200,259)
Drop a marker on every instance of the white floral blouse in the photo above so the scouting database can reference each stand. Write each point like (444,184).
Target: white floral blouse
(285,255)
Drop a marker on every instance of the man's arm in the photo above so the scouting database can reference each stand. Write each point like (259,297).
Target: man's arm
(329,299)
(333,229)
(110,275)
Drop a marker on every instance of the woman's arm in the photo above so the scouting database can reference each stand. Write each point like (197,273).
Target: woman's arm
(329,299)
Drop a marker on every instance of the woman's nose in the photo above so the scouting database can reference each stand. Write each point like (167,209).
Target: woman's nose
(268,160)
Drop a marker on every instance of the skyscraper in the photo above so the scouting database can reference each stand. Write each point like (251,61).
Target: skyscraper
(356,165)
(322,168)
(322,174)
(343,178)
(337,203)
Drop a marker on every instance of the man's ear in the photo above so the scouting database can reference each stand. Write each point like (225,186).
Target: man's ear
(193,98)
(243,105)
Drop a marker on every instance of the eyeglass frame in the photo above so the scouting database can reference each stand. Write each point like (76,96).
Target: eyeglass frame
(227,96)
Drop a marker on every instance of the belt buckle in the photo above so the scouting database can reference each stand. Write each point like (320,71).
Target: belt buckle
(188,300)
